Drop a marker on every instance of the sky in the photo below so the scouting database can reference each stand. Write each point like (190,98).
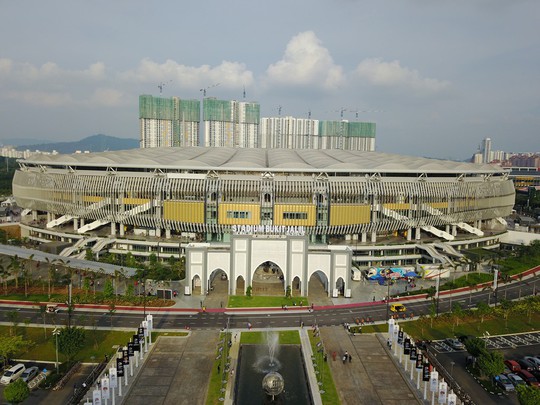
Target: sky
(435,76)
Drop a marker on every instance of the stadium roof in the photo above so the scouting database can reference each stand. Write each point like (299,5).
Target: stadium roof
(248,159)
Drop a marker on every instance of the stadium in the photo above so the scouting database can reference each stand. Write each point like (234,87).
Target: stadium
(256,216)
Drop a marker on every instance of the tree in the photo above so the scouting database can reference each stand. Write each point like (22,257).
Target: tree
(17,392)
(26,274)
(491,363)
(15,268)
(71,341)
(14,318)
(528,395)
(108,289)
(4,274)
(10,345)
(248,291)
(475,346)
(288,292)
(51,273)
(457,313)
(483,309)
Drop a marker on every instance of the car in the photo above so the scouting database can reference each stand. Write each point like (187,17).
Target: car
(52,308)
(526,365)
(29,374)
(12,374)
(454,343)
(529,378)
(512,365)
(503,383)
(516,380)
(398,308)
(533,360)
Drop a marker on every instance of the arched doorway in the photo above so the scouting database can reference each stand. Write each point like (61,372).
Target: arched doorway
(268,279)
(218,282)
(240,285)
(340,285)
(318,286)
(296,287)
(196,285)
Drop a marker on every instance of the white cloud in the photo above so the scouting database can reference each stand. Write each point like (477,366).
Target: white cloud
(392,74)
(228,74)
(107,97)
(307,63)
(40,98)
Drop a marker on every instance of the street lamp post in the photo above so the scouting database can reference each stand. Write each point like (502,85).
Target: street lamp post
(56,332)
(438,292)
(388,280)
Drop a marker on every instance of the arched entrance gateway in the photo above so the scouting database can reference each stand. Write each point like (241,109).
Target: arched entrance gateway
(268,264)
(268,279)
(218,282)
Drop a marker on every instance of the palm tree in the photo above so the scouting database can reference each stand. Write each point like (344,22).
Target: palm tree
(51,272)
(4,274)
(25,273)
(15,267)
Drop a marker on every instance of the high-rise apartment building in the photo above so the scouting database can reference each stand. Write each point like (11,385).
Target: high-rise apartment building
(166,122)
(231,123)
(486,150)
(289,133)
(347,135)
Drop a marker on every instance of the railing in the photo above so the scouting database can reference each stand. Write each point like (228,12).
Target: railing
(80,392)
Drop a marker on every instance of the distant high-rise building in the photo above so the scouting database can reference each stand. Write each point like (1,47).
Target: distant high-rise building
(231,123)
(486,150)
(289,133)
(347,135)
(166,122)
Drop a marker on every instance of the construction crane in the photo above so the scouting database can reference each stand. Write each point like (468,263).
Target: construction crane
(209,87)
(357,112)
(161,85)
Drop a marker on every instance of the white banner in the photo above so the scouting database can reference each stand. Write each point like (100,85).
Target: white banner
(434,381)
(145,326)
(105,392)
(442,392)
(113,377)
(96,397)
(452,399)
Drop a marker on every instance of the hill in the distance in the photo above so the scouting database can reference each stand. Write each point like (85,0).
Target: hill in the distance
(94,143)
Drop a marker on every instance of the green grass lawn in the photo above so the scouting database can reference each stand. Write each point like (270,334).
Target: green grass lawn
(242,301)
(324,375)
(286,337)
(98,343)
(445,326)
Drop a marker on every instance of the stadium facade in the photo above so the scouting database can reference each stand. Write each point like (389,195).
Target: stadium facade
(300,213)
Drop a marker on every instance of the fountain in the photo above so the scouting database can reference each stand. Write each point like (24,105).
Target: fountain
(278,369)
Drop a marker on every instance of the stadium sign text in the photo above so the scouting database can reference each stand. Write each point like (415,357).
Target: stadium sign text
(268,230)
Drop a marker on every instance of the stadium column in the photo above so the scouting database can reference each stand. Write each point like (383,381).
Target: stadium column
(113,228)
(75,224)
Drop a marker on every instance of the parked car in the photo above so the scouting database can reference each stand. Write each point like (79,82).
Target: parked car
(529,378)
(503,382)
(516,380)
(526,365)
(29,374)
(534,360)
(454,343)
(512,365)
(12,374)
(398,308)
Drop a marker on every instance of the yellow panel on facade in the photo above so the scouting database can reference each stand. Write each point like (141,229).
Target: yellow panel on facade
(308,209)
(239,214)
(351,214)
(92,198)
(135,201)
(184,211)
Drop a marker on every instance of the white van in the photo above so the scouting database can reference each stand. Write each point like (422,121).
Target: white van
(356,275)
(12,374)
